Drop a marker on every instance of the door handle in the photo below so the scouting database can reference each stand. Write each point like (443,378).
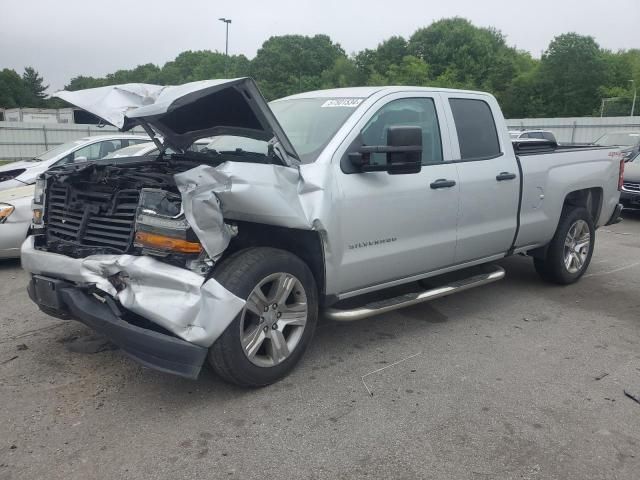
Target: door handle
(442,183)
(505,176)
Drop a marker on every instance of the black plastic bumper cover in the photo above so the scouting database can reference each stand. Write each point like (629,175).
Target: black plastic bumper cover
(152,349)
(615,216)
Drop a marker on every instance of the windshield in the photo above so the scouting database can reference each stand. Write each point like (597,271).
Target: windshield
(56,151)
(628,139)
(309,123)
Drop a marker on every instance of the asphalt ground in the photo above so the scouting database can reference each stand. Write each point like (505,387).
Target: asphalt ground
(514,380)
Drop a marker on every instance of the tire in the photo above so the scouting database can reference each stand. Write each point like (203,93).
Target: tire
(562,264)
(265,342)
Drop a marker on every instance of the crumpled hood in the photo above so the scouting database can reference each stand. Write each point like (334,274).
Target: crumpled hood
(185,113)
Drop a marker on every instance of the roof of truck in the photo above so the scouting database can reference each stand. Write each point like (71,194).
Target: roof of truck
(365,92)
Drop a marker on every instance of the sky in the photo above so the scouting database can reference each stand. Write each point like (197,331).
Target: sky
(65,38)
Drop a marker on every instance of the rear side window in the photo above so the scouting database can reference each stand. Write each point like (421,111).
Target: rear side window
(476,129)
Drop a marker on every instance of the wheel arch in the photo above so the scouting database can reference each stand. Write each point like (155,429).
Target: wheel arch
(305,244)
(588,198)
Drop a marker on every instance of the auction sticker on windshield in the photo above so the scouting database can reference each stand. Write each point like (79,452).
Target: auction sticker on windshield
(342,102)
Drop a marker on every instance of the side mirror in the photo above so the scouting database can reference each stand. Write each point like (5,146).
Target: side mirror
(403,152)
(79,159)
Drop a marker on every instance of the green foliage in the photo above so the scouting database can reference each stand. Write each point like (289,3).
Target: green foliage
(13,91)
(33,83)
(293,63)
(571,72)
(570,79)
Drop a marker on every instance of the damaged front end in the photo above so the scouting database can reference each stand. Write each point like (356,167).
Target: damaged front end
(112,247)
(129,246)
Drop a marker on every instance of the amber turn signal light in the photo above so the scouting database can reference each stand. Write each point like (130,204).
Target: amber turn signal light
(152,240)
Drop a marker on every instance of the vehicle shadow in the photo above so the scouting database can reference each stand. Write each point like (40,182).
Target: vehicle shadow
(9,263)
(631,215)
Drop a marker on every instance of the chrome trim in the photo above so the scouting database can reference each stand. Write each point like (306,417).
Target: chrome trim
(406,300)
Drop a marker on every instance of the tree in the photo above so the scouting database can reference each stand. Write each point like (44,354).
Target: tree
(410,71)
(13,91)
(390,52)
(33,83)
(571,72)
(461,55)
(343,73)
(293,63)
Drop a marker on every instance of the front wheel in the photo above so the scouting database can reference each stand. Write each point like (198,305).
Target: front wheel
(269,336)
(569,252)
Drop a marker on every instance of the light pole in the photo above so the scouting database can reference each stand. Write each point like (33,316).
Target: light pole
(226,45)
(635,92)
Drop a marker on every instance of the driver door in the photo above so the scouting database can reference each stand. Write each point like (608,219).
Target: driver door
(397,226)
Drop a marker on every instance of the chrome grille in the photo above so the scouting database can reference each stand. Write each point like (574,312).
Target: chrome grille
(631,186)
(87,218)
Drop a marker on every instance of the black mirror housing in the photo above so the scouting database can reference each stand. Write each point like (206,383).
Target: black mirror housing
(403,152)
(406,156)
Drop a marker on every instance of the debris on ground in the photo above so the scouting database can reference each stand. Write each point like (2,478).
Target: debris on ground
(22,346)
(633,396)
(601,376)
(9,360)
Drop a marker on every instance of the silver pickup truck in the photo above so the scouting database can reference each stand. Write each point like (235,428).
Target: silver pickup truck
(302,207)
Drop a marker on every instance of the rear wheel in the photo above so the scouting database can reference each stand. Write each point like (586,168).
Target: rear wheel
(271,333)
(569,252)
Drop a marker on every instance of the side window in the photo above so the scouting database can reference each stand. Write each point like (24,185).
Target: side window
(536,135)
(477,133)
(90,152)
(416,112)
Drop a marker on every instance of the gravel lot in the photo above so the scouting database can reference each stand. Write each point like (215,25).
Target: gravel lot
(513,380)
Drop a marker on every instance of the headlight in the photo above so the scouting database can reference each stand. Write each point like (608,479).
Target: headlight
(38,193)
(161,225)
(37,205)
(5,211)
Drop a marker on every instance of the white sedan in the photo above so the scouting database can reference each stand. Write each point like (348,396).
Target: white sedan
(18,174)
(15,203)
(15,219)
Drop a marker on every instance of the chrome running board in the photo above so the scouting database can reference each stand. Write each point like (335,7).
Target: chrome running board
(387,305)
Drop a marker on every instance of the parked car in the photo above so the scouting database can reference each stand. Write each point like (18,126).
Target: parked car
(629,142)
(15,204)
(229,256)
(534,134)
(15,219)
(17,174)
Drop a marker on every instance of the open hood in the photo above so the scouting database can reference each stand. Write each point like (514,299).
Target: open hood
(184,113)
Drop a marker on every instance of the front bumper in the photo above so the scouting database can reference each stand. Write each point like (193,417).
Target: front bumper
(194,311)
(630,199)
(153,349)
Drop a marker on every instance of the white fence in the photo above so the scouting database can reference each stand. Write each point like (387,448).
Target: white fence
(577,129)
(20,140)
